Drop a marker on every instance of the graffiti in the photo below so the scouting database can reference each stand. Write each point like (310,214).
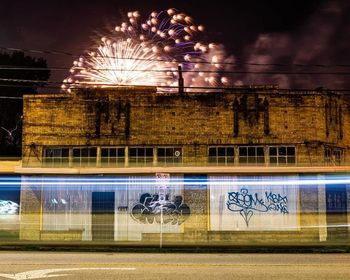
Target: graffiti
(247,203)
(8,207)
(148,210)
(277,202)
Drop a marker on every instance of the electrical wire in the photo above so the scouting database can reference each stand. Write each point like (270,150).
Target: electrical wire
(48,52)
(91,85)
(184,71)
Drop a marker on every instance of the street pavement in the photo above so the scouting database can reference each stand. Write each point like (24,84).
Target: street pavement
(59,265)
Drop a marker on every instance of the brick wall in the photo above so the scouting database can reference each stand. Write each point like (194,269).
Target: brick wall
(141,116)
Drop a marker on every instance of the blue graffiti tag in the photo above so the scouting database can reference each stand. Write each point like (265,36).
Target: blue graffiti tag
(246,204)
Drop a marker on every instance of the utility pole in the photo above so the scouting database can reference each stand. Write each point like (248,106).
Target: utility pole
(181,80)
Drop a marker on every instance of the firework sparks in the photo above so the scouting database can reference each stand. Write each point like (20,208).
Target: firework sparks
(148,53)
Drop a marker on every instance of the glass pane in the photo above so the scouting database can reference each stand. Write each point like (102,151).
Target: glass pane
(149,159)
(141,152)
(291,160)
(48,153)
(251,160)
(273,151)
(84,161)
(112,152)
(121,152)
(65,152)
(282,151)
(92,160)
(273,160)
(92,152)
(243,159)
(104,152)
(161,152)
(282,160)
(212,159)
(76,152)
(260,160)
(84,152)
(111,161)
(57,152)
(149,152)
(251,151)
(243,151)
(212,152)
(221,160)
(221,152)
(290,151)
(178,159)
(132,152)
(230,152)
(260,151)
(169,152)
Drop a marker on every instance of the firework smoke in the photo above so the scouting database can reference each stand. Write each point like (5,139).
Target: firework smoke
(148,53)
(322,40)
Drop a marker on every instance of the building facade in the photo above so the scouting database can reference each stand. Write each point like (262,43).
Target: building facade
(178,164)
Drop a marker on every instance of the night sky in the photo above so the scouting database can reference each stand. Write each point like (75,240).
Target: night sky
(288,32)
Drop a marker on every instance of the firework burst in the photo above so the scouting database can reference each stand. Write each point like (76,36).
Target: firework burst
(149,52)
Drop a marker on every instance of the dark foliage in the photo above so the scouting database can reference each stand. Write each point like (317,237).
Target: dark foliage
(11,109)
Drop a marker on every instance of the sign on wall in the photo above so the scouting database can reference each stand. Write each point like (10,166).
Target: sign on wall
(257,206)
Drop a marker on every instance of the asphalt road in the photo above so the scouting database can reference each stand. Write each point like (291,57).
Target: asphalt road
(42,265)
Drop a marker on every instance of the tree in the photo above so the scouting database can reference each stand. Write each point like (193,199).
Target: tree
(11,104)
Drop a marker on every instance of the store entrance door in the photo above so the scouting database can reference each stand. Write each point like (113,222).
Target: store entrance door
(336,212)
(102,210)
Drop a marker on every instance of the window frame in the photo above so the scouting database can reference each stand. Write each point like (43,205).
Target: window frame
(331,151)
(90,160)
(221,160)
(169,160)
(55,161)
(147,160)
(116,161)
(249,158)
(279,156)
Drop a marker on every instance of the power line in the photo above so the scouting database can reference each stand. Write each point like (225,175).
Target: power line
(238,89)
(48,52)
(92,85)
(10,97)
(184,71)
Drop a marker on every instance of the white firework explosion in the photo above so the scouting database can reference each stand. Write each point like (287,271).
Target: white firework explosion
(148,53)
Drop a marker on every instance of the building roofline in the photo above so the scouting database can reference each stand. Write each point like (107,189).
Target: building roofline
(243,170)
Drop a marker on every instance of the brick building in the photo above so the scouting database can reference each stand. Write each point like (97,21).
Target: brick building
(136,127)
(211,139)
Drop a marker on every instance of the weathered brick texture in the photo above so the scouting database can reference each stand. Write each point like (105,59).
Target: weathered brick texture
(141,116)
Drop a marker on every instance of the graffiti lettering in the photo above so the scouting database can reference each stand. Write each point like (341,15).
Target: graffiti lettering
(277,202)
(148,210)
(246,204)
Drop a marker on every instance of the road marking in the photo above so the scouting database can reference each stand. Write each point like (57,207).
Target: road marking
(44,273)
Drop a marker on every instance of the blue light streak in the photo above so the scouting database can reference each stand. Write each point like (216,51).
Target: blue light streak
(151,181)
